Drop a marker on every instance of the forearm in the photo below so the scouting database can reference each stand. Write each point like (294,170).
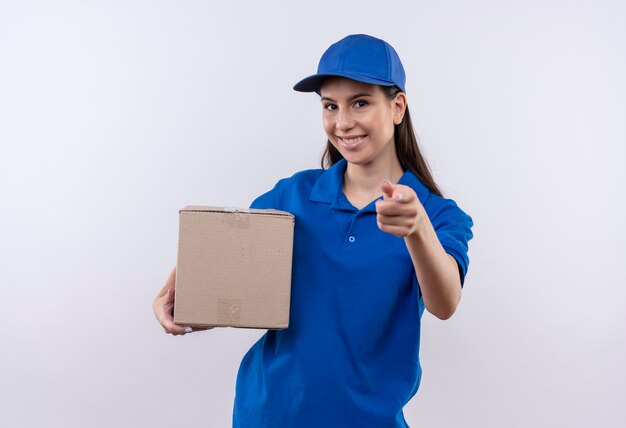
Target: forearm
(437,271)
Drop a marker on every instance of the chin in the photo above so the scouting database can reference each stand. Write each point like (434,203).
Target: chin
(357,160)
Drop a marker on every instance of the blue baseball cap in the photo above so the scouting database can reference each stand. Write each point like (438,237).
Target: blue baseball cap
(358,57)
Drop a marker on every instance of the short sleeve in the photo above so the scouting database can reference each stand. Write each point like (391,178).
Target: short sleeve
(266,200)
(454,230)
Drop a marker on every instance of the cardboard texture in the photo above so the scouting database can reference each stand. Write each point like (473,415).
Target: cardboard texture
(233,268)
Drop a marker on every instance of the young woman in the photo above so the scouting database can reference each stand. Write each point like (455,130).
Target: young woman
(375,244)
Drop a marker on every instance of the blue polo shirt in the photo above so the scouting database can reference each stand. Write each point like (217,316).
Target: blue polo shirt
(350,357)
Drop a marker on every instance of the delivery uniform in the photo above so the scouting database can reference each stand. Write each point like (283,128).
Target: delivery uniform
(350,357)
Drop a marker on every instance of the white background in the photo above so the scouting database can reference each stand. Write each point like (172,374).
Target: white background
(115,114)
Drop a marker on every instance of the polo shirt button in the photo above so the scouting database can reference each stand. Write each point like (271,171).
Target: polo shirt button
(351,238)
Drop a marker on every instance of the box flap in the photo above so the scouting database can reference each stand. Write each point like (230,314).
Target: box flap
(205,208)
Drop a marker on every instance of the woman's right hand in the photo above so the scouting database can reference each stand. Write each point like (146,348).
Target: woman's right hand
(163,307)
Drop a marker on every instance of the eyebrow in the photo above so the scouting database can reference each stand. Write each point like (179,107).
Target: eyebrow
(353,97)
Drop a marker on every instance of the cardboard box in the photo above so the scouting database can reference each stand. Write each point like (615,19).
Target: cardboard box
(234,267)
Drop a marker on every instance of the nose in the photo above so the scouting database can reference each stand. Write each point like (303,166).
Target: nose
(344,120)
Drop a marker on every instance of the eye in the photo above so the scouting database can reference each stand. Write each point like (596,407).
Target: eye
(361,103)
(330,107)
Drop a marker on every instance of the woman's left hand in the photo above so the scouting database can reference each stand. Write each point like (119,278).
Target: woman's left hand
(400,212)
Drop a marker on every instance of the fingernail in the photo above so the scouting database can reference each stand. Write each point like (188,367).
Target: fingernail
(188,330)
(387,181)
(399,197)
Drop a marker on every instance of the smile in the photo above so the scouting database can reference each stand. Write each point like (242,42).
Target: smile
(351,143)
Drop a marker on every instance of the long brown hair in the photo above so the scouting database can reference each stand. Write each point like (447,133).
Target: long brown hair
(407,148)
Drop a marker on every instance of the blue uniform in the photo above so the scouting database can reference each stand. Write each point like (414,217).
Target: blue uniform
(350,357)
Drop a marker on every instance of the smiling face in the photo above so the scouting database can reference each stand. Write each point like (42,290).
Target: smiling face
(359,120)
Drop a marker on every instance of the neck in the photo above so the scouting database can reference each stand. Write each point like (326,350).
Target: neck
(364,180)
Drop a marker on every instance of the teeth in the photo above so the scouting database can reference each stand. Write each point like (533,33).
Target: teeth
(352,140)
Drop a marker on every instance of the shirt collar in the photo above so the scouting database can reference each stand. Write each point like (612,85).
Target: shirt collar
(329,185)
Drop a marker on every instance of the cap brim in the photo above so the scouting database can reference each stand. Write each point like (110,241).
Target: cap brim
(313,83)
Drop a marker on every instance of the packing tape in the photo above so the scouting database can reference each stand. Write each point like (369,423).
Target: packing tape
(236,210)
(229,309)
(236,218)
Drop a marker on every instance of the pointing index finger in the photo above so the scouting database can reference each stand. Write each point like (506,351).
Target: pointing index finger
(387,188)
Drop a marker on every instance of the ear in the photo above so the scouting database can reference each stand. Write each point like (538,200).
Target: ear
(399,107)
